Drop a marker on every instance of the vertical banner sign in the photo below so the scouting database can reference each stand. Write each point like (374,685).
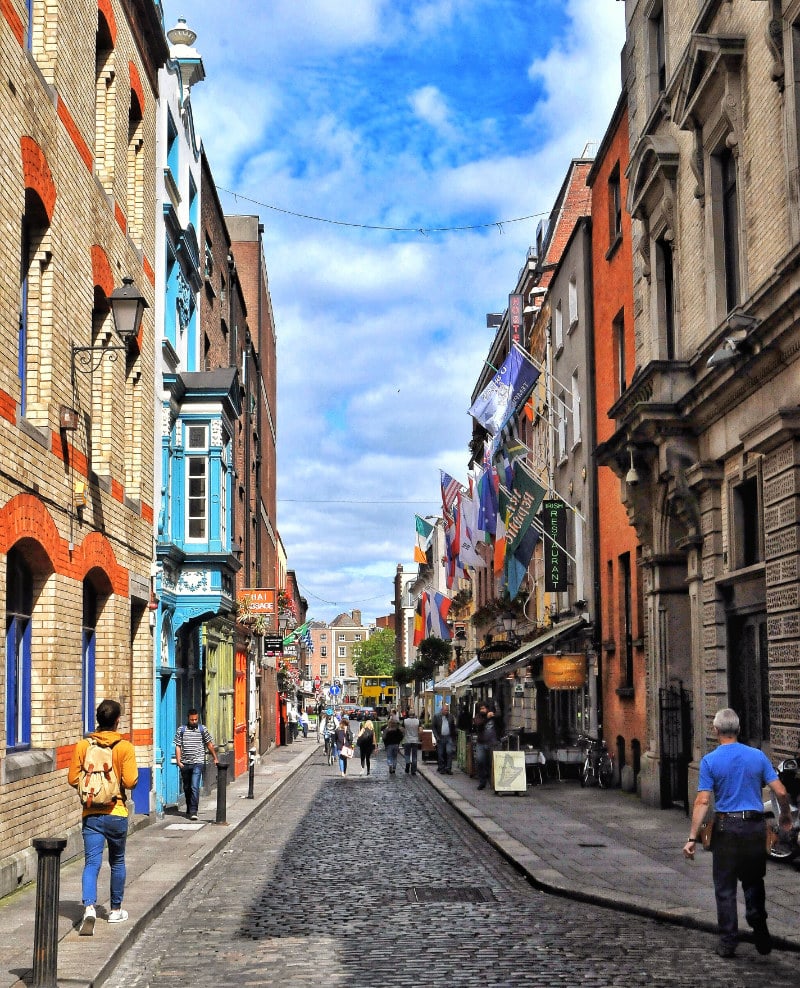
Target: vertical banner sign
(515,317)
(555,536)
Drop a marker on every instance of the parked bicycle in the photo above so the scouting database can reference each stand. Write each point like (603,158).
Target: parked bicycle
(598,768)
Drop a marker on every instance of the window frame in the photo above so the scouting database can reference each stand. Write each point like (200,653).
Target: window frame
(196,456)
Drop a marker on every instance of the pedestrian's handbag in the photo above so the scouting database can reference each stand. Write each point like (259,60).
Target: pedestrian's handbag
(347,751)
(705,832)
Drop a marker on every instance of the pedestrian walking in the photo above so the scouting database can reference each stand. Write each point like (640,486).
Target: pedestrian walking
(104,822)
(366,744)
(344,745)
(486,742)
(291,713)
(191,741)
(444,730)
(320,712)
(392,736)
(302,720)
(736,773)
(411,742)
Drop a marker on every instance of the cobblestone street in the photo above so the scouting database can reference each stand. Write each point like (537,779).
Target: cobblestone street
(374,881)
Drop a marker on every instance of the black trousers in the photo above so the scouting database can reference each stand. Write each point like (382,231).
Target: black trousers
(740,855)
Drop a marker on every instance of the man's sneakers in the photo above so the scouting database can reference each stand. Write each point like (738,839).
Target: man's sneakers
(117,916)
(86,929)
(726,949)
(193,816)
(762,938)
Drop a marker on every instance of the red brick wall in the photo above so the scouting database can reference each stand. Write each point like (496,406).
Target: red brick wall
(613,292)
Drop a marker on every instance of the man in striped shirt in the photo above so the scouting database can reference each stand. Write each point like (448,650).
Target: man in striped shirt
(191,742)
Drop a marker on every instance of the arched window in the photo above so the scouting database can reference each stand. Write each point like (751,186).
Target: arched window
(19,607)
(88,656)
(104,115)
(34,353)
(135,171)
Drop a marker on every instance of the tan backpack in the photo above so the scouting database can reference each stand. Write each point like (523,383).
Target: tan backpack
(98,785)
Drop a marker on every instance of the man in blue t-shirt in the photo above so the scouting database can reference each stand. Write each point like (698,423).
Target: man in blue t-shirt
(736,774)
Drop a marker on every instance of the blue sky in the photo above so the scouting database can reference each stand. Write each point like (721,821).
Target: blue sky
(381,113)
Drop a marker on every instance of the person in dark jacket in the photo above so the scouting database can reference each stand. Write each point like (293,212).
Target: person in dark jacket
(366,744)
(392,736)
(486,742)
(444,730)
(344,739)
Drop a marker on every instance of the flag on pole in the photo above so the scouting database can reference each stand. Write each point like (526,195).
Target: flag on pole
(424,537)
(450,489)
(437,610)
(419,619)
(510,387)
(517,562)
(526,499)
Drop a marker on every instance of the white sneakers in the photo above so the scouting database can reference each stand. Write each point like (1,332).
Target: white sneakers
(86,928)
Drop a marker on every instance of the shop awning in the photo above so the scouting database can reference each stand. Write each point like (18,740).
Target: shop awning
(458,677)
(525,653)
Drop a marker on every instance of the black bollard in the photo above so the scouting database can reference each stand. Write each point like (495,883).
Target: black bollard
(252,778)
(222,792)
(45,935)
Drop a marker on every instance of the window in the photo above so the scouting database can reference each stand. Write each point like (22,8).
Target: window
(88,653)
(558,328)
(614,207)
(746,537)
(34,354)
(193,202)
(342,653)
(323,636)
(341,637)
(576,412)
(627,618)
(342,670)
(657,52)
(197,484)
(665,290)
(561,427)
(323,651)
(104,104)
(357,637)
(726,165)
(323,669)
(748,680)
(572,301)
(19,606)
(135,171)
(618,333)
(172,148)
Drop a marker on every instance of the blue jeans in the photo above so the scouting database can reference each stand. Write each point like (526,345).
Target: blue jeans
(410,751)
(192,779)
(342,761)
(739,851)
(98,829)
(391,755)
(445,749)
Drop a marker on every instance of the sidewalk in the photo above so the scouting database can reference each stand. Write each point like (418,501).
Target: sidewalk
(605,846)
(160,858)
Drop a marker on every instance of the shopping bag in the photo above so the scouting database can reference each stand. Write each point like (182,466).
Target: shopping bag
(347,751)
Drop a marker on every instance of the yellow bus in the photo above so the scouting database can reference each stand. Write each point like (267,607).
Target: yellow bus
(379,692)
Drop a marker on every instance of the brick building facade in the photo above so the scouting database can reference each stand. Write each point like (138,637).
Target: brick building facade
(77,159)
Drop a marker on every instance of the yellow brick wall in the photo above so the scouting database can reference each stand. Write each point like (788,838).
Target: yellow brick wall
(55,107)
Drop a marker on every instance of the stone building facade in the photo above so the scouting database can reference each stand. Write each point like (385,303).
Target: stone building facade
(711,411)
(77,161)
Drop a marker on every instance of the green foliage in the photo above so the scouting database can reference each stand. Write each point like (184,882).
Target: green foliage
(375,656)
(403,675)
(432,652)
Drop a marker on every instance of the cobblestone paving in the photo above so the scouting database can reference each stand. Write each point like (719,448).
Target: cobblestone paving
(375,881)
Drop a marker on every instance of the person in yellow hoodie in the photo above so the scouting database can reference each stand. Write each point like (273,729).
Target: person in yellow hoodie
(105,824)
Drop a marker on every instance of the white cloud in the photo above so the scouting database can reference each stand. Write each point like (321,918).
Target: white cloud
(342,111)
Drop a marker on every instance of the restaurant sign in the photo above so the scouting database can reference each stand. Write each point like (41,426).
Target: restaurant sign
(554,523)
(564,670)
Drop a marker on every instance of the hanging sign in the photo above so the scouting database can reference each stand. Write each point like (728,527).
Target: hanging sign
(555,538)
(515,317)
(564,670)
(259,601)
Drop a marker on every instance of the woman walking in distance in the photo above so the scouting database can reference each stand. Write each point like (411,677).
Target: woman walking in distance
(366,744)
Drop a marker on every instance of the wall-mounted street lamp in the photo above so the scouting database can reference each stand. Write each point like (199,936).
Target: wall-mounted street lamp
(127,307)
(509,620)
